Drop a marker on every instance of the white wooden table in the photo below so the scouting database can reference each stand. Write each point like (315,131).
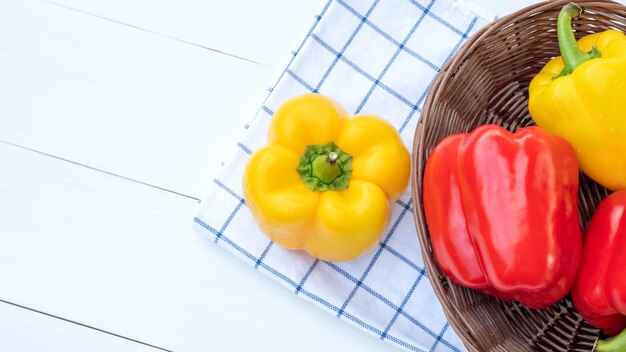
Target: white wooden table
(114,115)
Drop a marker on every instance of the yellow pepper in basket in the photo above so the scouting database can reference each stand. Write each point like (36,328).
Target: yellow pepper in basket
(325,181)
(581,97)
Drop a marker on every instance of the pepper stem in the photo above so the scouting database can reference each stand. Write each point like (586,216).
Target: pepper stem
(325,167)
(570,52)
(614,344)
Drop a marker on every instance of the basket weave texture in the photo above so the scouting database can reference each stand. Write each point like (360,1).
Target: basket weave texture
(487,82)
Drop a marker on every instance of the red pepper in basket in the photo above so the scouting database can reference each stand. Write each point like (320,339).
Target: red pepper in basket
(502,212)
(599,293)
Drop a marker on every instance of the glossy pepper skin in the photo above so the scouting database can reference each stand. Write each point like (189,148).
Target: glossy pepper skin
(599,293)
(502,212)
(334,210)
(586,104)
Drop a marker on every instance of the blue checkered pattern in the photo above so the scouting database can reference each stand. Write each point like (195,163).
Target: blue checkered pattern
(377,57)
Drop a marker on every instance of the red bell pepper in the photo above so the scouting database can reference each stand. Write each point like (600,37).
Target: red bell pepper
(599,293)
(502,211)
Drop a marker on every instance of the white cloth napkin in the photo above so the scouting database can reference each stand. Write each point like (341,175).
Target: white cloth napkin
(377,57)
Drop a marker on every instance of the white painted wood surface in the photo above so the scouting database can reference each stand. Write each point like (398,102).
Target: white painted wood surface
(27,330)
(113,117)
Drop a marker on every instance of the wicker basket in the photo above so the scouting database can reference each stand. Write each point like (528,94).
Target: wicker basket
(487,82)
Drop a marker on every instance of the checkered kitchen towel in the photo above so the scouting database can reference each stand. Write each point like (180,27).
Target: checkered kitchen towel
(376,57)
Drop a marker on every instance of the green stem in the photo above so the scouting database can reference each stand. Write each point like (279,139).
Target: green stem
(570,52)
(614,344)
(325,167)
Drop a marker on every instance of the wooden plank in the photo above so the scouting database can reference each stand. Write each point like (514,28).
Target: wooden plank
(262,31)
(121,256)
(119,99)
(26,330)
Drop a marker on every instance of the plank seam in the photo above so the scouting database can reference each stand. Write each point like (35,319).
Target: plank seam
(100,170)
(155,33)
(83,325)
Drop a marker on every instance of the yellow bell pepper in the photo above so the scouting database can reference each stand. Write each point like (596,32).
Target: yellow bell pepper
(325,181)
(581,97)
